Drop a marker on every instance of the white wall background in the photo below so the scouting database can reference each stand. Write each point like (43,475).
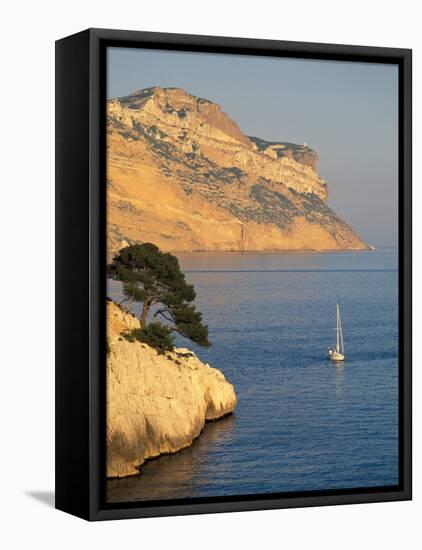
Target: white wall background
(27,273)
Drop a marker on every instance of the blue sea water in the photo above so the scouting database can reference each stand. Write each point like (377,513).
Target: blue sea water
(302,423)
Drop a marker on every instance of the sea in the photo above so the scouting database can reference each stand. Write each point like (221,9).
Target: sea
(302,422)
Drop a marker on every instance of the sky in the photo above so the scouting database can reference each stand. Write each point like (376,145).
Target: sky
(347,112)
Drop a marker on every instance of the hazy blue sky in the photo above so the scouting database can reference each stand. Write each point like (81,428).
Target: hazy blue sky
(348,112)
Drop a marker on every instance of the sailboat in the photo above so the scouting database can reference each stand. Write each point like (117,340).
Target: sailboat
(337,354)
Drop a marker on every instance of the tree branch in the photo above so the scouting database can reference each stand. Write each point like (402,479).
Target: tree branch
(162,312)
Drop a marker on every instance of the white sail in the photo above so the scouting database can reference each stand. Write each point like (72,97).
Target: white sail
(340,331)
(337,354)
(337,329)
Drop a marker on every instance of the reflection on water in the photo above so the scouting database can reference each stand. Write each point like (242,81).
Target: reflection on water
(175,475)
(339,380)
(301,423)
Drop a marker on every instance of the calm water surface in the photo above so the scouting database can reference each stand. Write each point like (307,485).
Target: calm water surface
(302,423)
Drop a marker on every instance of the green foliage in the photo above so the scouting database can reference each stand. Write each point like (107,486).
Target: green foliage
(188,323)
(156,335)
(155,279)
(132,292)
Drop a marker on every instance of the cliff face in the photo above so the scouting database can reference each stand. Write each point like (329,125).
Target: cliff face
(155,404)
(181,174)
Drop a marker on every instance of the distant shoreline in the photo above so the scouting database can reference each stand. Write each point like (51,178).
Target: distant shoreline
(288,251)
(281,251)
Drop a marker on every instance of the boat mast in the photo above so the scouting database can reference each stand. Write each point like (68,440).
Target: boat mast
(341,332)
(337,330)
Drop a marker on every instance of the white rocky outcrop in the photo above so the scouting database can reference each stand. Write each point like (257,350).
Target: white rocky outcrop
(155,403)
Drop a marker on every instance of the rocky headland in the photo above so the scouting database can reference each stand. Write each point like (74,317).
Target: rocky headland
(156,404)
(182,174)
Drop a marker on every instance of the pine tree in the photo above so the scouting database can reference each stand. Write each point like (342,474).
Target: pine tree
(154,278)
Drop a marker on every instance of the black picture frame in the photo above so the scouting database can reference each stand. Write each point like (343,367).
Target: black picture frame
(80,272)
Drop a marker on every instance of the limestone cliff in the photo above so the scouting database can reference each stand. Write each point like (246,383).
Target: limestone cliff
(155,403)
(182,174)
